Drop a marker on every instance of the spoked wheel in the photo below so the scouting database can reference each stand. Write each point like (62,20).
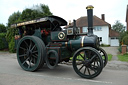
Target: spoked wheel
(30,53)
(104,56)
(87,62)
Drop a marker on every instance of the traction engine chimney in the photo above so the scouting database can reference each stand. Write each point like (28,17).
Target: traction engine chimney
(90,19)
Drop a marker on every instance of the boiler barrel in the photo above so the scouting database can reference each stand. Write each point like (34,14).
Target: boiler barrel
(83,41)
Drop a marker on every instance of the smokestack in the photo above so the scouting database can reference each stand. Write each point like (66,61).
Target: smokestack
(103,17)
(90,19)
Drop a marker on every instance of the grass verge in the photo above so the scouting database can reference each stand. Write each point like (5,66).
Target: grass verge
(123,57)
(109,57)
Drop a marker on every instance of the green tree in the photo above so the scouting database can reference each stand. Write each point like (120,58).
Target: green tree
(122,35)
(37,11)
(28,14)
(2,28)
(14,18)
(125,40)
(45,11)
(119,27)
(3,42)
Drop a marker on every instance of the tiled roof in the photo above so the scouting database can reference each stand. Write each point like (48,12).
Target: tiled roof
(113,33)
(83,22)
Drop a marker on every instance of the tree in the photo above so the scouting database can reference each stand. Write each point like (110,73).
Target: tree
(36,11)
(125,40)
(119,27)
(122,35)
(45,10)
(14,18)
(2,28)
(27,14)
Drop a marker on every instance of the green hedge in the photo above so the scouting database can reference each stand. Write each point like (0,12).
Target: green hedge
(3,42)
(10,39)
(12,46)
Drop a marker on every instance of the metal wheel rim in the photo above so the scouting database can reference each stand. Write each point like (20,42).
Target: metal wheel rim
(29,54)
(104,56)
(87,68)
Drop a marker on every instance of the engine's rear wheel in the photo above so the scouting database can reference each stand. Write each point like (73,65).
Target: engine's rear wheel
(104,56)
(87,62)
(30,53)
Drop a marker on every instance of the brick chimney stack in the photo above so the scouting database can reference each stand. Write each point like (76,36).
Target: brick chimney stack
(103,17)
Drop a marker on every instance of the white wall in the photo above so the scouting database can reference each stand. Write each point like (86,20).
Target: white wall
(104,33)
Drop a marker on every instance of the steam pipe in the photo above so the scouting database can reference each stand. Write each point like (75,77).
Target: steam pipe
(90,19)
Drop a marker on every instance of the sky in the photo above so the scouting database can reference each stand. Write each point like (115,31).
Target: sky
(69,9)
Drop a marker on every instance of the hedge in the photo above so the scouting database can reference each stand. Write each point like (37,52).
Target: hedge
(12,46)
(3,42)
(10,39)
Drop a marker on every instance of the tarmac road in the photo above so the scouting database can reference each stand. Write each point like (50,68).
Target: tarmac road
(12,74)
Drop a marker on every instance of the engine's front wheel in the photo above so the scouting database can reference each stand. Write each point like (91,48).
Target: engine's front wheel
(87,62)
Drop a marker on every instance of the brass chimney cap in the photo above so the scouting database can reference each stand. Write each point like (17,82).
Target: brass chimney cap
(89,7)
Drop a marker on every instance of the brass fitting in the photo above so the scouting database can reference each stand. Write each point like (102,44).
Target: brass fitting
(89,7)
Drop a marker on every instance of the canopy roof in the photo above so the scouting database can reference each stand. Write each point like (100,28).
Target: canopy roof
(43,21)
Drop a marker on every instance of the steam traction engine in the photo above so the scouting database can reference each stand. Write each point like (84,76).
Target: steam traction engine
(43,41)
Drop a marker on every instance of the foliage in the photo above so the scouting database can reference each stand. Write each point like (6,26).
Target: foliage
(120,49)
(119,27)
(3,42)
(2,28)
(125,40)
(10,39)
(109,57)
(27,14)
(104,45)
(45,10)
(122,35)
(14,18)
(10,34)
(36,11)
(12,46)
(123,57)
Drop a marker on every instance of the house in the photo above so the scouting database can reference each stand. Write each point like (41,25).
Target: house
(127,18)
(114,37)
(100,28)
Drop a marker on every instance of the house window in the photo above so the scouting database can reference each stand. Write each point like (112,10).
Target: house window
(117,38)
(113,38)
(85,29)
(100,38)
(97,28)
